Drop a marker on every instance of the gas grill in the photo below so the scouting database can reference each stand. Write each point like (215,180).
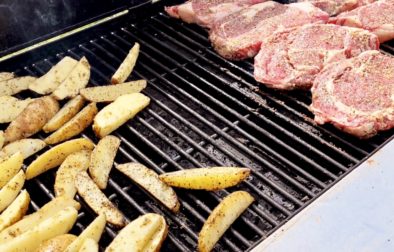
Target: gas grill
(204,111)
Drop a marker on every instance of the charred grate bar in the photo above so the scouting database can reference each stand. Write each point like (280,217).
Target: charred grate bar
(205,111)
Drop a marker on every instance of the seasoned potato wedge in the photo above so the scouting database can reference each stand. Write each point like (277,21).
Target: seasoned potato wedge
(146,233)
(93,231)
(58,224)
(26,147)
(97,200)
(102,160)
(65,175)
(55,156)
(68,111)
(31,119)
(118,112)
(32,220)
(15,85)
(56,244)
(10,167)
(210,179)
(11,107)
(149,180)
(6,76)
(221,218)
(47,83)
(9,192)
(89,245)
(1,139)
(15,211)
(112,92)
(75,126)
(127,65)
(75,81)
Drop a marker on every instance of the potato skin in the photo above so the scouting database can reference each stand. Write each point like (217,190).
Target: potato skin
(31,119)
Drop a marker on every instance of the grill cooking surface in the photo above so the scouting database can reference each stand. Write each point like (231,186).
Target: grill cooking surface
(205,111)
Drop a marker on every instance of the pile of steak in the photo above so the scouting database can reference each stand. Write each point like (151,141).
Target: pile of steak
(205,13)
(377,17)
(239,35)
(334,7)
(356,95)
(292,58)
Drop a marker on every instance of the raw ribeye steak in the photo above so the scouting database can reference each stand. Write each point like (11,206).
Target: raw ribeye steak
(206,12)
(356,95)
(334,7)
(292,58)
(239,35)
(377,17)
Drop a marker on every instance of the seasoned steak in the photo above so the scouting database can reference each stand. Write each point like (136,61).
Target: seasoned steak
(206,12)
(356,95)
(377,17)
(292,58)
(334,7)
(239,35)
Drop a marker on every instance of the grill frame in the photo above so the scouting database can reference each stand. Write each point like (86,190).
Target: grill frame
(217,130)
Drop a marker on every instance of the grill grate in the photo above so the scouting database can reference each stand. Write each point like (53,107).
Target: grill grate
(205,111)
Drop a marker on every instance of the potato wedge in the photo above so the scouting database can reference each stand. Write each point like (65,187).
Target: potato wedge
(32,220)
(75,81)
(65,175)
(149,180)
(210,179)
(55,156)
(93,231)
(127,65)
(1,139)
(9,192)
(56,244)
(97,200)
(112,92)
(31,119)
(15,85)
(58,224)
(68,111)
(26,147)
(221,218)
(75,126)
(11,107)
(102,160)
(47,83)
(15,211)
(89,245)
(146,233)
(10,167)
(6,76)
(118,112)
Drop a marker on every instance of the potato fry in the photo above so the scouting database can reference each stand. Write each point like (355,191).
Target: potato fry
(93,231)
(112,92)
(26,147)
(149,180)
(9,192)
(210,179)
(56,244)
(11,107)
(65,175)
(55,156)
(58,224)
(15,211)
(15,85)
(10,167)
(118,112)
(75,81)
(221,218)
(68,111)
(6,76)
(89,245)
(146,233)
(97,200)
(47,83)
(102,160)
(32,220)
(75,126)
(31,119)
(127,65)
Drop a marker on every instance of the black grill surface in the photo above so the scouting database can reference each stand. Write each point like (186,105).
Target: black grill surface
(205,111)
